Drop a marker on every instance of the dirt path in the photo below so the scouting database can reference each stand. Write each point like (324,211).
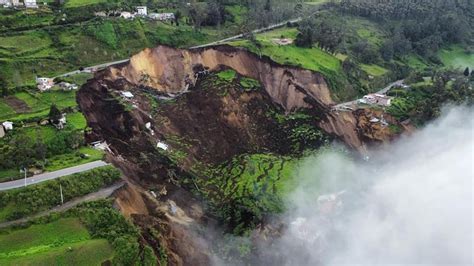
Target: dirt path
(101,194)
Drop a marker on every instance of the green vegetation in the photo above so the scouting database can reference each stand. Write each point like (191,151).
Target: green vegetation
(249,187)
(423,101)
(62,242)
(457,57)
(19,203)
(30,105)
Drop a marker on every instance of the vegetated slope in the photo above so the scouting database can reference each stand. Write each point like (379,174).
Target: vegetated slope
(220,124)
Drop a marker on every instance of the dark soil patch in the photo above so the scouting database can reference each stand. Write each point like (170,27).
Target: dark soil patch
(16,104)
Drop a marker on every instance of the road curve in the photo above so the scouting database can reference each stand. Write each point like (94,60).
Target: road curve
(101,194)
(51,175)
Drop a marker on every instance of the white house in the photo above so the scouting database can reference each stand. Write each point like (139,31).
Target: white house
(7,125)
(127,94)
(2,132)
(30,4)
(44,84)
(142,10)
(67,86)
(378,99)
(162,145)
(127,15)
(161,16)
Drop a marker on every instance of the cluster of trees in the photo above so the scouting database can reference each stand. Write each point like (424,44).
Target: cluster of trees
(103,221)
(21,150)
(423,103)
(417,26)
(37,198)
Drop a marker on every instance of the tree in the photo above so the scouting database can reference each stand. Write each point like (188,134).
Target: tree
(387,50)
(177,17)
(466,72)
(54,114)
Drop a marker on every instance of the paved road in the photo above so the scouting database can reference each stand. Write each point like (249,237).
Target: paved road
(382,91)
(271,27)
(51,175)
(101,194)
(93,68)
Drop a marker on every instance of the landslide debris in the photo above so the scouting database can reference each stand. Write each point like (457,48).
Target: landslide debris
(208,136)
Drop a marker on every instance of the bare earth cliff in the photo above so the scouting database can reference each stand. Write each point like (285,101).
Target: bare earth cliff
(182,119)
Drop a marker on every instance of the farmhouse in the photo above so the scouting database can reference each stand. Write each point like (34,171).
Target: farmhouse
(127,15)
(66,86)
(30,4)
(162,16)
(142,10)
(127,94)
(44,84)
(379,99)
(7,125)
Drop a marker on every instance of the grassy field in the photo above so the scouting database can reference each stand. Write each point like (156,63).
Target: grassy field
(457,57)
(37,103)
(62,242)
(78,3)
(62,161)
(310,58)
(374,70)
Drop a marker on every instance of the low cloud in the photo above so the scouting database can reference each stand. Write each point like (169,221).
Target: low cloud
(411,203)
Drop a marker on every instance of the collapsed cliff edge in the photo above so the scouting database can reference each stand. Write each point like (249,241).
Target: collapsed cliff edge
(167,117)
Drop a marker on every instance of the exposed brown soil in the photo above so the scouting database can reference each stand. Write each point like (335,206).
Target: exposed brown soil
(207,125)
(16,104)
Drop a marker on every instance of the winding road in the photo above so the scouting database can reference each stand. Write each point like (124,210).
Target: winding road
(348,105)
(51,175)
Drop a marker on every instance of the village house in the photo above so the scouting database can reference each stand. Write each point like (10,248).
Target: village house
(44,84)
(2,132)
(378,99)
(161,16)
(30,4)
(142,11)
(10,3)
(127,94)
(127,15)
(7,125)
(66,86)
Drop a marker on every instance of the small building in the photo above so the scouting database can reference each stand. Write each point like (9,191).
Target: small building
(7,125)
(142,10)
(30,4)
(127,15)
(100,14)
(2,132)
(67,86)
(127,94)
(44,84)
(162,16)
(378,99)
(162,145)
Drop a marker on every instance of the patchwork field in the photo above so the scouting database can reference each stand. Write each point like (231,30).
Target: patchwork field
(62,242)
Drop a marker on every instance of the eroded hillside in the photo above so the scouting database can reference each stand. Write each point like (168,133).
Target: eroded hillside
(214,133)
